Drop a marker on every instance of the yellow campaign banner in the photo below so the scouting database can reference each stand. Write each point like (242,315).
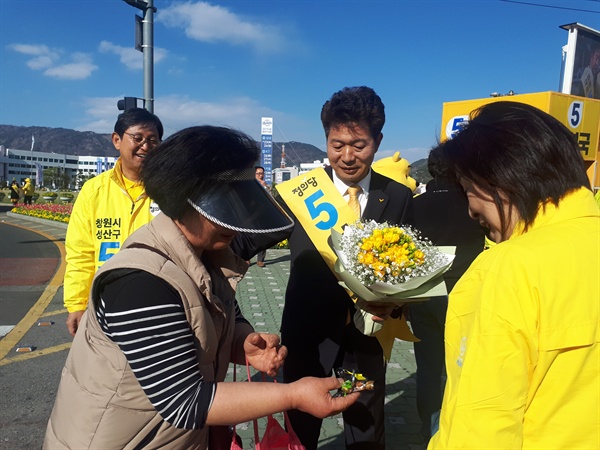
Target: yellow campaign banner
(580,115)
(319,207)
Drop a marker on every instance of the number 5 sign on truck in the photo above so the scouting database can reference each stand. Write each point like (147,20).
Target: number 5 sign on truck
(580,115)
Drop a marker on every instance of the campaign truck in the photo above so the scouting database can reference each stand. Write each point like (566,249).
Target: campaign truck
(579,114)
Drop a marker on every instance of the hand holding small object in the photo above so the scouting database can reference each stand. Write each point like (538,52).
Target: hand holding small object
(356,383)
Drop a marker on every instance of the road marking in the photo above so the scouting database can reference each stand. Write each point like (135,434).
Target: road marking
(5,329)
(35,354)
(32,316)
(54,313)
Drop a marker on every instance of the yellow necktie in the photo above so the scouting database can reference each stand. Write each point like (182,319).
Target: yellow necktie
(353,192)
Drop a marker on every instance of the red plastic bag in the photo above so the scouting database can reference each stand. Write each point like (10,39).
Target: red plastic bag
(275,436)
(234,442)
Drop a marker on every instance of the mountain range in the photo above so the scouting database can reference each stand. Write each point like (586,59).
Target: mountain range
(88,143)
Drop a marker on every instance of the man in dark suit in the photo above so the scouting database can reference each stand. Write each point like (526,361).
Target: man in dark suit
(317,324)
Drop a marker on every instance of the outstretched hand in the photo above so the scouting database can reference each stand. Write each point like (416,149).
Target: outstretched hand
(264,352)
(313,396)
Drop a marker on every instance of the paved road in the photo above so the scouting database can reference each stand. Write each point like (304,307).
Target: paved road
(28,381)
(27,263)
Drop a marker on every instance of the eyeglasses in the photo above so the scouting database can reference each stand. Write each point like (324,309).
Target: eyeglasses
(141,140)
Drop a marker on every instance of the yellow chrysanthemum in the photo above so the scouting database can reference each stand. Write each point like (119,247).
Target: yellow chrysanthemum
(374,252)
(388,250)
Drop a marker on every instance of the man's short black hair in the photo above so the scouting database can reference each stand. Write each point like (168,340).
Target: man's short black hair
(137,116)
(354,106)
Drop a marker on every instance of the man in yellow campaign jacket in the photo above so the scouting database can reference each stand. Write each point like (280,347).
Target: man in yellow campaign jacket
(108,209)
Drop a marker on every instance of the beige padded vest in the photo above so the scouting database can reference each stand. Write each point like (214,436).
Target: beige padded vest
(100,404)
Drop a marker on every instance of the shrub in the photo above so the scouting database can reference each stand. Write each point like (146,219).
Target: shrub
(282,244)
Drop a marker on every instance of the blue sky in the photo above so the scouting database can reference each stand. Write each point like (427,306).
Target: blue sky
(65,63)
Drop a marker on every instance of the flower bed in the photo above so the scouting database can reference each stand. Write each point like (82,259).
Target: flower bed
(49,211)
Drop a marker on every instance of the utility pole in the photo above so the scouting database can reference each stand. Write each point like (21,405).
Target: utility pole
(145,44)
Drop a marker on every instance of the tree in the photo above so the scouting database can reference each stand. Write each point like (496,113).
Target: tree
(56,177)
(82,178)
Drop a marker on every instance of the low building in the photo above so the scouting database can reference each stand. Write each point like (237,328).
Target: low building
(21,164)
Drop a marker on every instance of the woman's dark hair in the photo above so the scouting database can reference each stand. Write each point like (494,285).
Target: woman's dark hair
(181,166)
(520,152)
(137,116)
(354,106)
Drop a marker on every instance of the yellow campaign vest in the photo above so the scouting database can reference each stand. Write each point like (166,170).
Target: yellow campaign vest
(319,207)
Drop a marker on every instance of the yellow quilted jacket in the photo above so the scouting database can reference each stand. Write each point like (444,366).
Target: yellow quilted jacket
(103,216)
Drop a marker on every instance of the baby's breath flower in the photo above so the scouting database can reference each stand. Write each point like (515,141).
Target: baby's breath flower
(388,253)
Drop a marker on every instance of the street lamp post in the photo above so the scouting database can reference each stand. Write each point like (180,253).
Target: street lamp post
(147,48)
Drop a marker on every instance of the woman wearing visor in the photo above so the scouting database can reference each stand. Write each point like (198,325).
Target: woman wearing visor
(146,369)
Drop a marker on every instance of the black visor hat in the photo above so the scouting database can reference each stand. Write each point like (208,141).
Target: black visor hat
(237,201)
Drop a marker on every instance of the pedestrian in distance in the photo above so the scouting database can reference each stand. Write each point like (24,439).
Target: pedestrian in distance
(28,191)
(522,327)
(147,367)
(108,209)
(15,192)
(259,172)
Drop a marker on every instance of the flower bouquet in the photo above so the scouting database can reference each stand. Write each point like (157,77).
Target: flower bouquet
(385,263)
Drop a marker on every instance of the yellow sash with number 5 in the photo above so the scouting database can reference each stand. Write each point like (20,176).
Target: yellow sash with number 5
(319,207)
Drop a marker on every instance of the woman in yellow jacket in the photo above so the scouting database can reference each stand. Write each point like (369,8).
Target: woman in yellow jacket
(28,191)
(522,328)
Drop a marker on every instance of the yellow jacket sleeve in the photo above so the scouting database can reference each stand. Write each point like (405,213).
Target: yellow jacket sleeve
(81,261)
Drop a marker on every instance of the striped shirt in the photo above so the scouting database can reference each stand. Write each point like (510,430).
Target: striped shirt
(144,316)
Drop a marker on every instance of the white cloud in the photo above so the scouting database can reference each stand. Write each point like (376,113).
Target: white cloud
(100,114)
(80,69)
(40,62)
(177,112)
(43,57)
(207,23)
(47,60)
(129,56)
(34,50)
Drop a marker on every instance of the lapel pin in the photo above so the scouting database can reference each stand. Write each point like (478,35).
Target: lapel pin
(381,200)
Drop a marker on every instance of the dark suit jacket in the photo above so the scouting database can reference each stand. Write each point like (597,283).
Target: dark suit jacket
(442,215)
(316,306)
